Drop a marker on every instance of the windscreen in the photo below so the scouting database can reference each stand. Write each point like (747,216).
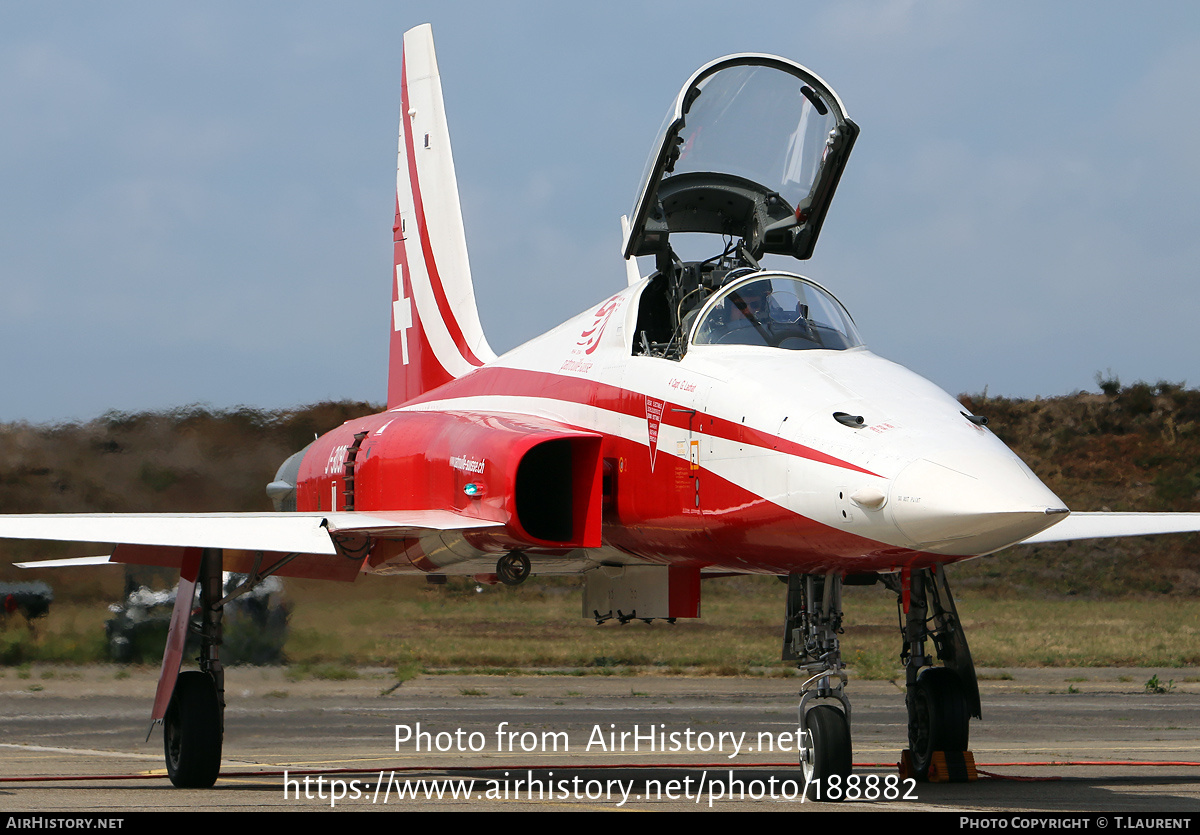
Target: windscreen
(777,312)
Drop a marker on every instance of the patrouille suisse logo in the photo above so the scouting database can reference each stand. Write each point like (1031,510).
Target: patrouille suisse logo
(589,340)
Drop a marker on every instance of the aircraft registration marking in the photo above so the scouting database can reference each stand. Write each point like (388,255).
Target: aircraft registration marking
(336,465)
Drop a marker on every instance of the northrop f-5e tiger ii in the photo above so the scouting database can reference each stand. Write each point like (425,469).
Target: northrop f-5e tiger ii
(712,418)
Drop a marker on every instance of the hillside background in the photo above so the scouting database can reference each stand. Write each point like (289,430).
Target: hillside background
(1128,448)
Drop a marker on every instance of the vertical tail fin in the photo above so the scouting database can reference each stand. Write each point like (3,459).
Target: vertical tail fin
(436,335)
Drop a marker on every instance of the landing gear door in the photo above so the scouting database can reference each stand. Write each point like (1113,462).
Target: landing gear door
(753,147)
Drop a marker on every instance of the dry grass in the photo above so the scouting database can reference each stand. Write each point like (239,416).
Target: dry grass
(191,459)
(385,621)
(1135,447)
(389,621)
(536,628)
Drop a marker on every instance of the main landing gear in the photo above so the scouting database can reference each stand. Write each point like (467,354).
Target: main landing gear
(814,620)
(513,568)
(940,700)
(192,732)
(194,724)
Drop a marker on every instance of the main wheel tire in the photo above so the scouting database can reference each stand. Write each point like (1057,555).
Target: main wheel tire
(513,568)
(826,751)
(192,732)
(938,718)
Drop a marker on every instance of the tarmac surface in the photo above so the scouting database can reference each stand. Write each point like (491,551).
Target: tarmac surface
(569,742)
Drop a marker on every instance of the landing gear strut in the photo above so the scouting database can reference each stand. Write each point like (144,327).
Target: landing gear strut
(814,620)
(940,700)
(194,725)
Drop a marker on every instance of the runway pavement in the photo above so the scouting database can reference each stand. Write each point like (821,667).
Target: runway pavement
(554,742)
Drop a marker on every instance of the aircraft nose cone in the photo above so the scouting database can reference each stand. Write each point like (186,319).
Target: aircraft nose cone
(971,505)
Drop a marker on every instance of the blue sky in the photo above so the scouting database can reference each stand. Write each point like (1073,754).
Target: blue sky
(196,199)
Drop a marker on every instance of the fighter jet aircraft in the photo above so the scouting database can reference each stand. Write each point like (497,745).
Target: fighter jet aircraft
(711,418)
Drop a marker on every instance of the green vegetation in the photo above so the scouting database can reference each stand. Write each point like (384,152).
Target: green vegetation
(537,625)
(1133,447)
(1153,685)
(192,459)
(71,634)
(1003,675)
(326,671)
(1130,448)
(415,629)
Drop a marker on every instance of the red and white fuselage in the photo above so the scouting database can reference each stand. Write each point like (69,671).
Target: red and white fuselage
(728,459)
(724,457)
(712,417)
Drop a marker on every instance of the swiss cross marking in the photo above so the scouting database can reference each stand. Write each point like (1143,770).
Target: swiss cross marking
(402,313)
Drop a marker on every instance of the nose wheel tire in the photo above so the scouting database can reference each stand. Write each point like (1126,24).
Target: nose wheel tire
(192,732)
(825,752)
(938,717)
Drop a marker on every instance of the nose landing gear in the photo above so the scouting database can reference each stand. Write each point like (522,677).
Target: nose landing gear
(940,699)
(814,620)
(825,750)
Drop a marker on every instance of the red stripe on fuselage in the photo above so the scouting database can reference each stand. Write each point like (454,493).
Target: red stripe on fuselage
(515,382)
(733,528)
(435,280)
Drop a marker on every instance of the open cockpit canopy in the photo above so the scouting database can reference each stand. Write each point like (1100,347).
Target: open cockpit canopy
(751,149)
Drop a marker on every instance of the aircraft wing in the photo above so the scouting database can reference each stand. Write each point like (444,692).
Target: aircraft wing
(302,533)
(1105,525)
(251,531)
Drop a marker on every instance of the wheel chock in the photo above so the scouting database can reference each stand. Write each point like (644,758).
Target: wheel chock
(952,767)
(944,767)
